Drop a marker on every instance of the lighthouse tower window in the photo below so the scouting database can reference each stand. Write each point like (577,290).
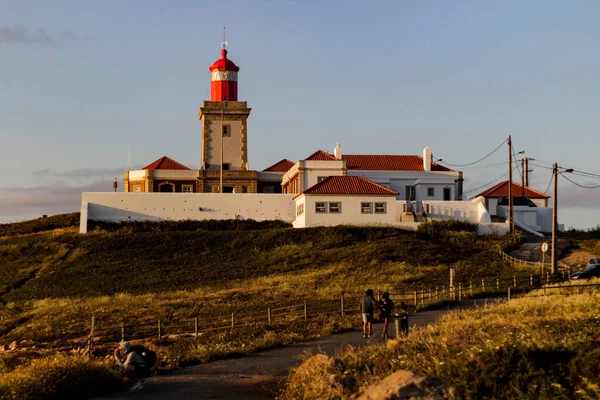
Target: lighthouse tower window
(226,130)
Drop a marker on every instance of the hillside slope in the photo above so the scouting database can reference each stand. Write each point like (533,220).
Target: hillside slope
(151,258)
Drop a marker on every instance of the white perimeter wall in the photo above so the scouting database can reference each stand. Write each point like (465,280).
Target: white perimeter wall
(471,210)
(351,211)
(118,207)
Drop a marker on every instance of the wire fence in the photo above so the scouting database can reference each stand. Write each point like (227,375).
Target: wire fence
(345,304)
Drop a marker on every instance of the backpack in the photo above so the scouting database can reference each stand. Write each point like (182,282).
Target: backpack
(147,355)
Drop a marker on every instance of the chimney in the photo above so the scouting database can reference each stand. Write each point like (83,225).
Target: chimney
(337,152)
(427,159)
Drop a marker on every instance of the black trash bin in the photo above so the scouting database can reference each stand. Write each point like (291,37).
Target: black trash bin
(401,323)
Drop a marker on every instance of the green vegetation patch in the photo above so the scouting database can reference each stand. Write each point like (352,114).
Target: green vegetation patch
(529,348)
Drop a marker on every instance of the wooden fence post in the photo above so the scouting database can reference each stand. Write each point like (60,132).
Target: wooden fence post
(497,284)
(416,302)
(460,292)
(430,295)
(422,296)
(159,330)
(91,345)
(196,326)
(305,311)
(436,292)
(531,280)
(342,303)
(483,285)
(471,288)
(514,280)
(509,293)
(269,314)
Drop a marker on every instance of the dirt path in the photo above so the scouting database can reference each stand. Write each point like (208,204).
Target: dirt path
(258,376)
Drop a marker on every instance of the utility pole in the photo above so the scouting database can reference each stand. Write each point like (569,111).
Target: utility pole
(511,221)
(524,162)
(554,216)
(221,169)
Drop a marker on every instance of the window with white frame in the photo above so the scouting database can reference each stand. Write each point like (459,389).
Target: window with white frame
(187,188)
(300,209)
(430,192)
(366,207)
(335,207)
(320,207)
(380,208)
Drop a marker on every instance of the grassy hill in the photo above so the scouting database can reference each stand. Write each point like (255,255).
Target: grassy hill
(153,258)
(53,278)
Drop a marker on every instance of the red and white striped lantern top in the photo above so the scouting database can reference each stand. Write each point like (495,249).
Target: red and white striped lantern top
(223,79)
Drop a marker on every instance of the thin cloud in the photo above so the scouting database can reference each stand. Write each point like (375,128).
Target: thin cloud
(19,203)
(20,34)
(66,35)
(82,173)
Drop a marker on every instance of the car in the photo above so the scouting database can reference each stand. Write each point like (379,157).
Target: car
(591,270)
(517,201)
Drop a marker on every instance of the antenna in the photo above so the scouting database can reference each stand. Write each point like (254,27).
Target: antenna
(224,42)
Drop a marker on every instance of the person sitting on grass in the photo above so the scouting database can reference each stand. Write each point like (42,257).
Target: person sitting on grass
(133,365)
(367,306)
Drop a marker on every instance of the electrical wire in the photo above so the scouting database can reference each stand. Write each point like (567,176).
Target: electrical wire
(516,162)
(487,184)
(487,166)
(474,162)
(549,183)
(578,184)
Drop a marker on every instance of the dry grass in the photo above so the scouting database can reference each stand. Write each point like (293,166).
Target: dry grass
(532,347)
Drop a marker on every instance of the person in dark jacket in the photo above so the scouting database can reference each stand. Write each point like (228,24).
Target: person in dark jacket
(386,305)
(367,307)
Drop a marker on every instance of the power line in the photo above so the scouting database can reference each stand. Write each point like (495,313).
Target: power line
(516,162)
(487,184)
(488,165)
(549,184)
(578,184)
(474,162)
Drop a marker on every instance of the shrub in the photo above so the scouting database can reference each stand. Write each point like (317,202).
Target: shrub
(440,228)
(59,377)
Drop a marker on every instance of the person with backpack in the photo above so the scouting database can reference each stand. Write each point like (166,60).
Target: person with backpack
(386,305)
(367,307)
(136,362)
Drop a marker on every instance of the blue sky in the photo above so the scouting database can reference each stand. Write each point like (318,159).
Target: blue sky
(83,81)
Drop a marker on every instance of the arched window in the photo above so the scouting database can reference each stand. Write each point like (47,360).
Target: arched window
(166,187)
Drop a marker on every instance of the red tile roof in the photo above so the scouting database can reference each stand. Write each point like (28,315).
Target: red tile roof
(165,163)
(280,166)
(320,155)
(349,185)
(501,190)
(388,163)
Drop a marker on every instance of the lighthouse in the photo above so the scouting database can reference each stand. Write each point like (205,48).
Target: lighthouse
(223,79)
(224,144)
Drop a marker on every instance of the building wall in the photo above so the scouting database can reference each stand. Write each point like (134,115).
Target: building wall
(178,185)
(471,211)
(350,211)
(118,207)
(232,148)
(399,180)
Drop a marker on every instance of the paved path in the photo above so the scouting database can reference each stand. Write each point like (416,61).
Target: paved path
(258,376)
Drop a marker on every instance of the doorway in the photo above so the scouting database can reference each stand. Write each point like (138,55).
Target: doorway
(447,192)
